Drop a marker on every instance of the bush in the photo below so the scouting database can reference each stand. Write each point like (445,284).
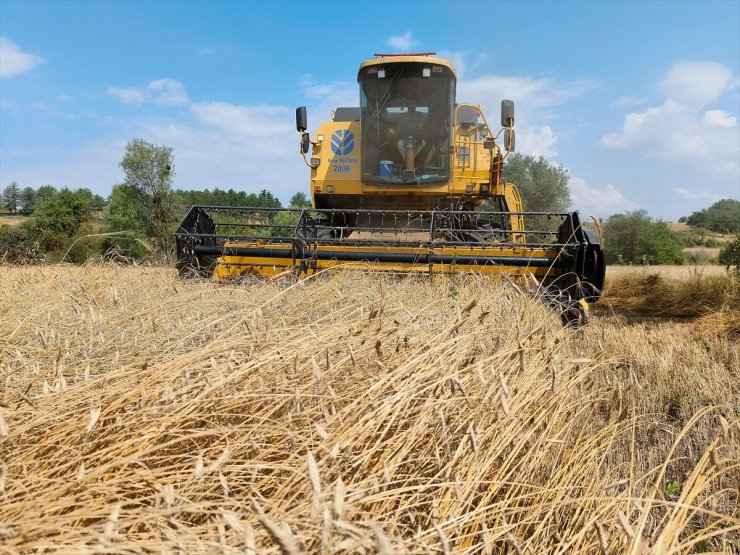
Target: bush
(699,258)
(635,238)
(695,237)
(131,246)
(19,244)
(60,218)
(82,248)
(730,254)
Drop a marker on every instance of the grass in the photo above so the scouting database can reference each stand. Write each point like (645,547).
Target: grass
(354,413)
(711,296)
(670,271)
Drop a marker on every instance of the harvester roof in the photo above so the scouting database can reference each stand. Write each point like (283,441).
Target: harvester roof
(420,58)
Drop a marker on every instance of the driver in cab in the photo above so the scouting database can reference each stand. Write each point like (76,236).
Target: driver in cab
(409,134)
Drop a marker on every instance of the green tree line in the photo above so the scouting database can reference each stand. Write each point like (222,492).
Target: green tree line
(136,221)
(722,217)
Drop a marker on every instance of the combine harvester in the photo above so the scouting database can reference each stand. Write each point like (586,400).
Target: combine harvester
(398,185)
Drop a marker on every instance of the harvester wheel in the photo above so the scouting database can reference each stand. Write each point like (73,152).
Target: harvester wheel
(575,315)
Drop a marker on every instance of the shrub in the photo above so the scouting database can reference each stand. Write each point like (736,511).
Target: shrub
(19,244)
(730,254)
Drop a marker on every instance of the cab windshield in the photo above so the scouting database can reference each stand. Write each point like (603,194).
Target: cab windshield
(407,110)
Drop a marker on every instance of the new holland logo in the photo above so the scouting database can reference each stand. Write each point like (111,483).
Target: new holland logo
(342,142)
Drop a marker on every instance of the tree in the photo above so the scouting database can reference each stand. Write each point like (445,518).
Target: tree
(44,194)
(96,201)
(663,246)
(722,217)
(61,218)
(622,236)
(634,238)
(11,197)
(730,254)
(126,211)
(299,200)
(28,201)
(542,185)
(150,168)
(267,200)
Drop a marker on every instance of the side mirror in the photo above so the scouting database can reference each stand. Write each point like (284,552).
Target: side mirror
(301,121)
(507,113)
(305,141)
(509,140)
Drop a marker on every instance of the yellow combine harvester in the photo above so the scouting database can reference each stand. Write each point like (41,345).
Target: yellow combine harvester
(398,184)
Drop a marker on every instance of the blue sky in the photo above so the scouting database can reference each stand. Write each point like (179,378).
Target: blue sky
(639,100)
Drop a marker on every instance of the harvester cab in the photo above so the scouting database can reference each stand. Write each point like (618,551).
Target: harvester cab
(400,183)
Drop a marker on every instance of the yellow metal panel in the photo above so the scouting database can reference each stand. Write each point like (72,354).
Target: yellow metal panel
(340,157)
(234,266)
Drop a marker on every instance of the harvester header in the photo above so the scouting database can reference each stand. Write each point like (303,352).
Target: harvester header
(408,181)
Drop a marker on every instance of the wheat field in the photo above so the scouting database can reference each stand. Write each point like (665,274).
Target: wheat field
(355,413)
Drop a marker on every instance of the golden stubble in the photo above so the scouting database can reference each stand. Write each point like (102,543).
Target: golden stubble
(354,413)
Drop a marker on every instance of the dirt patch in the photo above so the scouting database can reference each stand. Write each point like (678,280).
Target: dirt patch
(12,221)
(678,227)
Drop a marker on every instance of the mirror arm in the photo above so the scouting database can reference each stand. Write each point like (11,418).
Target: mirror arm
(305,161)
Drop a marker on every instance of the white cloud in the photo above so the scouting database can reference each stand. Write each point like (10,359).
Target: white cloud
(130,95)
(719,118)
(93,166)
(258,123)
(534,97)
(679,129)
(326,97)
(480,59)
(14,61)
(402,42)
(339,93)
(162,92)
(599,202)
(51,110)
(537,141)
(258,149)
(627,101)
(457,60)
(686,194)
(696,83)
(168,92)
(531,93)
(206,51)
(245,147)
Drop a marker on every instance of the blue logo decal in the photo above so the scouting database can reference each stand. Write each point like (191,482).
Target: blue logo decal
(342,142)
